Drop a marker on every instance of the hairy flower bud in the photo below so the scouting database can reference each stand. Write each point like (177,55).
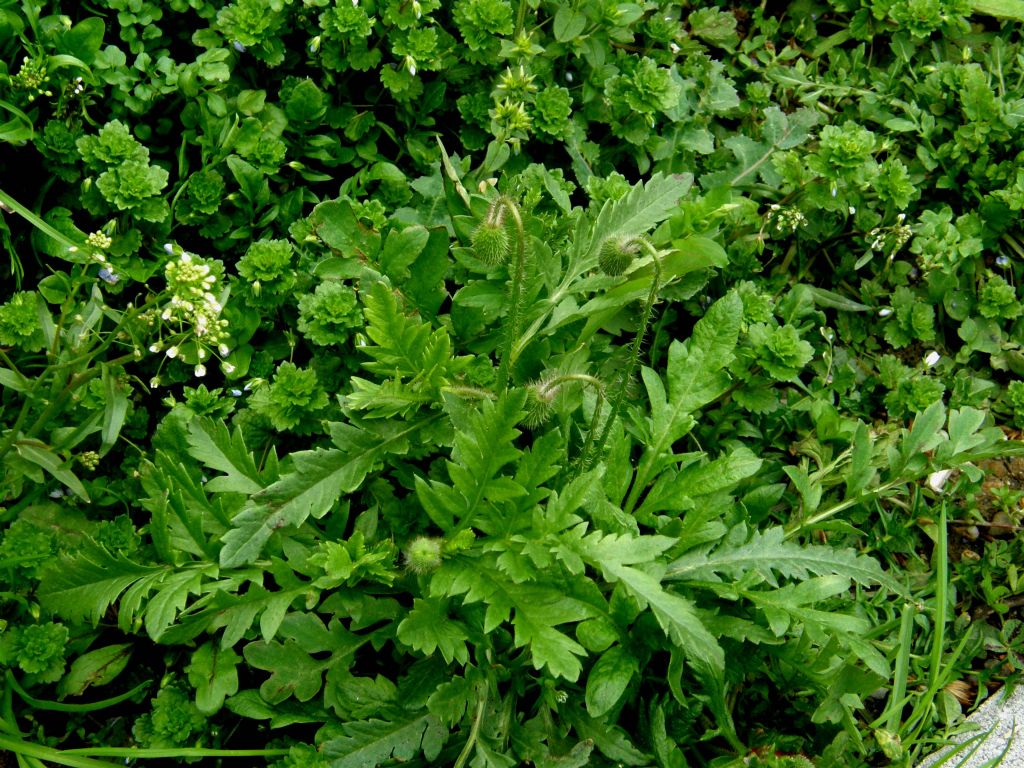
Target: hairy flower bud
(616,254)
(491,242)
(540,402)
(423,555)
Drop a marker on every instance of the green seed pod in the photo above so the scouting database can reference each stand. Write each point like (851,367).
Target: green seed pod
(423,555)
(491,242)
(616,254)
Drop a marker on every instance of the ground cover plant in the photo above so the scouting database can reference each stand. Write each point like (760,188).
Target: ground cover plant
(495,383)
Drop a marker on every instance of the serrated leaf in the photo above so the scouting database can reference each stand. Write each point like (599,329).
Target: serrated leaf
(615,555)
(640,210)
(768,554)
(534,611)
(236,614)
(84,585)
(369,743)
(721,474)
(317,479)
(428,628)
(484,444)
(696,376)
(791,604)
(211,443)
(398,340)
(169,600)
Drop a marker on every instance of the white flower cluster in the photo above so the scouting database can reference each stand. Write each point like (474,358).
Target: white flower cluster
(194,310)
(785,220)
(100,241)
(891,238)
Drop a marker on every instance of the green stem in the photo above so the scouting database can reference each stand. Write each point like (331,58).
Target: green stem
(56,756)
(941,587)
(137,753)
(518,271)
(520,18)
(57,706)
(66,389)
(835,509)
(588,458)
(61,400)
(474,732)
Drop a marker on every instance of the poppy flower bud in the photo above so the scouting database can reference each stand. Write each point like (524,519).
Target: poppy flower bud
(616,254)
(423,555)
(491,242)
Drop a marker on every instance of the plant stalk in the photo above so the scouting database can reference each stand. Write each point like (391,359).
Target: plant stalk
(518,270)
(594,448)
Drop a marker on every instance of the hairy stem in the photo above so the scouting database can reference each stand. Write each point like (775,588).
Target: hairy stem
(595,447)
(518,270)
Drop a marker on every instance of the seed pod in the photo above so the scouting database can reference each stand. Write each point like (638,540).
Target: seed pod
(491,242)
(616,254)
(423,555)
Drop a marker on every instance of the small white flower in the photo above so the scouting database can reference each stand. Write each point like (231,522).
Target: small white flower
(238,46)
(1002,261)
(228,368)
(186,258)
(154,382)
(168,248)
(56,494)
(200,371)
(155,348)
(224,349)
(236,393)
(852,210)
(202,353)
(937,480)
(932,358)
(172,352)
(884,312)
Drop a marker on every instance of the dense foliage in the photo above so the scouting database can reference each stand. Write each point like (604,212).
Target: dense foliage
(494,383)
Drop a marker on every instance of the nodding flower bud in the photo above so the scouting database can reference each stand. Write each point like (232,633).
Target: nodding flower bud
(616,254)
(424,554)
(491,242)
(540,402)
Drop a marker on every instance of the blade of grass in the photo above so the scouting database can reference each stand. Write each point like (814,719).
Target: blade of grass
(899,684)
